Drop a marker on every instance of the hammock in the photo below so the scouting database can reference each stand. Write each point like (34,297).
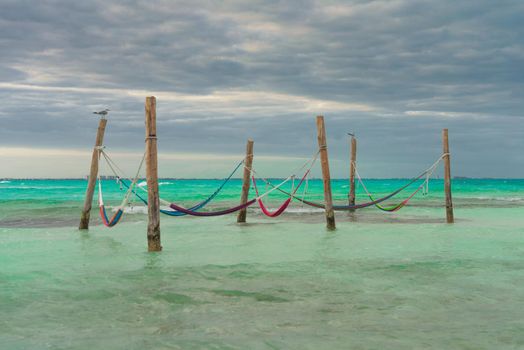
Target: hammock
(280,210)
(181,211)
(287,202)
(206,201)
(284,205)
(163,211)
(115,219)
(194,208)
(265,210)
(212,213)
(373,201)
(394,207)
(229,210)
(355,206)
(400,205)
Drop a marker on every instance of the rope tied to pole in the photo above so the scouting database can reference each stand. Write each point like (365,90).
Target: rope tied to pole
(230,210)
(424,186)
(294,189)
(362,205)
(175,212)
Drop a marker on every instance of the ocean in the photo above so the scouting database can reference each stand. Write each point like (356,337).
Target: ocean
(402,280)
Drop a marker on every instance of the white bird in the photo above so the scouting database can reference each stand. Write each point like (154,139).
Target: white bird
(102,113)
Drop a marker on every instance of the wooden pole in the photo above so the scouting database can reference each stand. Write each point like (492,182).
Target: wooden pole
(324,161)
(352,165)
(153,200)
(93,174)
(246,182)
(447,177)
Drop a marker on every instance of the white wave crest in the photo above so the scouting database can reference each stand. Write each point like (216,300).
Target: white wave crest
(139,209)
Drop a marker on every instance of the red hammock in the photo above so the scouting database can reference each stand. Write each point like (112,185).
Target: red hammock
(284,205)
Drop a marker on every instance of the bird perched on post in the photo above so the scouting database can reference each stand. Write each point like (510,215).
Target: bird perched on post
(103,113)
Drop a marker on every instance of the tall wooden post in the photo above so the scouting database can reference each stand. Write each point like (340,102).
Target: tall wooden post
(328,198)
(352,166)
(246,182)
(447,177)
(93,174)
(153,199)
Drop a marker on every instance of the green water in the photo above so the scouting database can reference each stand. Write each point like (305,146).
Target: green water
(404,280)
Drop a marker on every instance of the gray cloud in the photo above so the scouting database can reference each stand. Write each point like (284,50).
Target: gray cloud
(396,72)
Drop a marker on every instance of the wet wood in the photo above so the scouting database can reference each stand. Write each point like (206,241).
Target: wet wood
(153,198)
(246,181)
(352,165)
(447,177)
(93,174)
(324,161)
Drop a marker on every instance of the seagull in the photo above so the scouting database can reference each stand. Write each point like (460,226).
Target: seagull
(102,113)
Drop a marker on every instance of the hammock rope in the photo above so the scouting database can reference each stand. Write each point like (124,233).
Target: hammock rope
(193,211)
(175,212)
(294,190)
(258,198)
(115,219)
(362,205)
(230,210)
(265,210)
(425,185)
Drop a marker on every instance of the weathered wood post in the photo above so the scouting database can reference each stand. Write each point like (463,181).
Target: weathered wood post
(246,182)
(93,174)
(324,161)
(447,177)
(153,199)
(352,166)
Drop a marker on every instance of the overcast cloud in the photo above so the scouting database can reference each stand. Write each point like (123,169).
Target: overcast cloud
(395,72)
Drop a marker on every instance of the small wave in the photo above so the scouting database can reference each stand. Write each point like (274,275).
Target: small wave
(139,209)
(297,210)
(510,199)
(144,183)
(136,210)
(506,199)
(5,182)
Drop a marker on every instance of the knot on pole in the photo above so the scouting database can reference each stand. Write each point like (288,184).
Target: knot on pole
(100,148)
(322,148)
(151,137)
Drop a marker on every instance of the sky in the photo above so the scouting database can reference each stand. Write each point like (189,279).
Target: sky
(394,72)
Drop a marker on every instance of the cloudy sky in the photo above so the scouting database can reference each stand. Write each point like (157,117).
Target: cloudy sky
(395,72)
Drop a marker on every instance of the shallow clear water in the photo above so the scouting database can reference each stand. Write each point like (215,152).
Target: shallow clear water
(403,280)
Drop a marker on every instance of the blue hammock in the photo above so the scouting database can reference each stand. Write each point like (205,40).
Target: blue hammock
(114,220)
(196,207)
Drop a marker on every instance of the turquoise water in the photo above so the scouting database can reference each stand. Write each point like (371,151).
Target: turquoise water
(403,280)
